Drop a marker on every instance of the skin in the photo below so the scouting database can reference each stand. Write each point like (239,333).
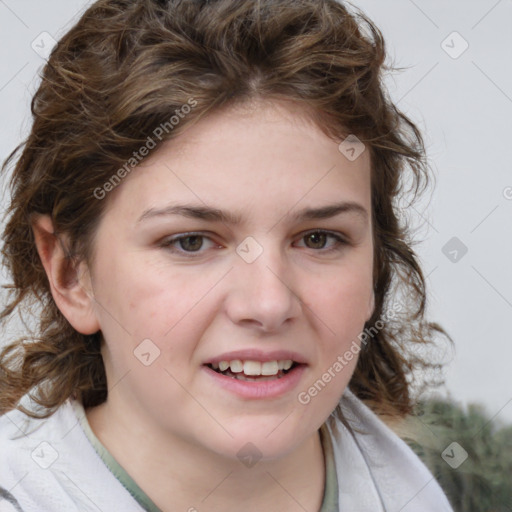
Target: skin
(264,162)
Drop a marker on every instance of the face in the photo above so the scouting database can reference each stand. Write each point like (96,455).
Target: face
(246,241)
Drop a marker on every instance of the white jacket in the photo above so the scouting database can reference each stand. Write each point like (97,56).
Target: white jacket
(51,466)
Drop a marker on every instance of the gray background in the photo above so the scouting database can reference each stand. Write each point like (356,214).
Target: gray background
(463,103)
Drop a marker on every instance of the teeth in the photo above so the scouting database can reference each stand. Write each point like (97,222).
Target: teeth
(269,368)
(254,368)
(287,364)
(236,366)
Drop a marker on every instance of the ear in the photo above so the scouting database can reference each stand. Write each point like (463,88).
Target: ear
(70,282)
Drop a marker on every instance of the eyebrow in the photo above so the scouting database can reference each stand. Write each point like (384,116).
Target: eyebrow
(216,215)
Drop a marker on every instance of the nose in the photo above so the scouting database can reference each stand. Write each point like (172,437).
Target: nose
(262,293)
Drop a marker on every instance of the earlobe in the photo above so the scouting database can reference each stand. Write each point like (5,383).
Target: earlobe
(69,281)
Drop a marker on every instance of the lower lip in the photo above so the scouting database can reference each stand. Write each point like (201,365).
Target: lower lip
(255,389)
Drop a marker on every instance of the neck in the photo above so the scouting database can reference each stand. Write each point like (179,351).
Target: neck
(179,475)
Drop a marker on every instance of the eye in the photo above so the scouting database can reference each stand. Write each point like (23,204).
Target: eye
(191,243)
(188,243)
(323,240)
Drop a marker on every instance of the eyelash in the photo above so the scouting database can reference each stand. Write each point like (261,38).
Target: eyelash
(169,243)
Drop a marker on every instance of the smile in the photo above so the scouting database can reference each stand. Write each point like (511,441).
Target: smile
(253,370)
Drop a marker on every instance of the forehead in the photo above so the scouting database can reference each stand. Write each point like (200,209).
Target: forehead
(268,155)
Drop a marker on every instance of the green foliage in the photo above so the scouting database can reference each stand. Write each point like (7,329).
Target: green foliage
(483,482)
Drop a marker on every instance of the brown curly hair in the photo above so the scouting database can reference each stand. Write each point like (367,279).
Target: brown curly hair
(121,71)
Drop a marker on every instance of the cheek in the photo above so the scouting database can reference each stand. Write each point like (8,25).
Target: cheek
(342,298)
(341,308)
(155,301)
(128,302)
(146,321)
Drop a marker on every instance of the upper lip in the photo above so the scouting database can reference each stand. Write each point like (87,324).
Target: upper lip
(258,355)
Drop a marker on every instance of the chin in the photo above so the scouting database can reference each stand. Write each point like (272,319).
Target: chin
(267,439)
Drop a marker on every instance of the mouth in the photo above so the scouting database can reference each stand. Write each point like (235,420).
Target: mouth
(254,371)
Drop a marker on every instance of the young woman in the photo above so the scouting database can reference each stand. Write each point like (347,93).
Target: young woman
(205,212)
